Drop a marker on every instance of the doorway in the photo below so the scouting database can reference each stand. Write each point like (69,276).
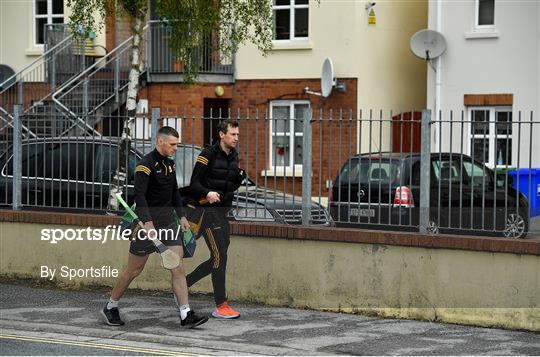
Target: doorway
(406,132)
(215,110)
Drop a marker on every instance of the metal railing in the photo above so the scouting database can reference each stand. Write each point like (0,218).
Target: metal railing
(406,171)
(37,81)
(99,90)
(32,87)
(207,57)
(93,88)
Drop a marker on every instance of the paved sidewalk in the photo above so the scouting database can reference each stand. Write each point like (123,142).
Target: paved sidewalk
(152,325)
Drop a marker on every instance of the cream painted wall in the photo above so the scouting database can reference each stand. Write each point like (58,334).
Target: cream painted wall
(16,34)
(389,76)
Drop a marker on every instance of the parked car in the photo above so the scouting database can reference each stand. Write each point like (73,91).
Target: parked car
(383,190)
(75,173)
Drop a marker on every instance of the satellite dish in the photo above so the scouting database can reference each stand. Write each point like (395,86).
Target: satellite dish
(428,44)
(328,82)
(6,74)
(327,77)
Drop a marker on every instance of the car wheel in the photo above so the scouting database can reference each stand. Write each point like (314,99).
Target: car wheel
(432,228)
(516,226)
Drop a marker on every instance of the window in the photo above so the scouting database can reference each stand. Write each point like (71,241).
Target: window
(106,163)
(365,172)
(476,175)
(447,171)
(46,12)
(31,161)
(290,19)
(485,13)
(491,136)
(286,135)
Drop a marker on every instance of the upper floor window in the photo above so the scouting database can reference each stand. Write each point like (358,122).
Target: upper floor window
(491,135)
(291,19)
(485,13)
(46,12)
(286,133)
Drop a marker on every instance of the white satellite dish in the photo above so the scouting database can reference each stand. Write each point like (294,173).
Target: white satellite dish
(328,82)
(428,44)
(327,77)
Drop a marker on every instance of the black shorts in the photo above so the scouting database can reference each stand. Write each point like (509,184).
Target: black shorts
(170,235)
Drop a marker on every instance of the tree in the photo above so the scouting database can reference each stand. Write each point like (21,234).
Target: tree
(236,22)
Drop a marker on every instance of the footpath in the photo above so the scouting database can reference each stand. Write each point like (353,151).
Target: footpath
(152,327)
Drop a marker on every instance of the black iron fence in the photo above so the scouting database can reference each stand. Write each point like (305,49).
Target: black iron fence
(475,172)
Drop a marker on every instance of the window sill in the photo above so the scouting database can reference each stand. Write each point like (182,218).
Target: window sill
(292,45)
(34,51)
(282,172)
(478,34)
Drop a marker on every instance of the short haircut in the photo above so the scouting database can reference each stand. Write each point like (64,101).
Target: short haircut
(223,125)
(167,131)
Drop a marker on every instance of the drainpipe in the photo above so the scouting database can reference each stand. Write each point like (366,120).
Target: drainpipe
(438,76)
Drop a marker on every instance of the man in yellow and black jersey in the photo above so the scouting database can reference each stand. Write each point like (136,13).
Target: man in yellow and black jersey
(215,178)
(158,204)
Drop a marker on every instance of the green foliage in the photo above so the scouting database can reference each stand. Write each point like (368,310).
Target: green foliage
(221,25)
(218,25)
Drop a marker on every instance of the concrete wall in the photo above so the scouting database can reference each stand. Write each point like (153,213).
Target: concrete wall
(488,289)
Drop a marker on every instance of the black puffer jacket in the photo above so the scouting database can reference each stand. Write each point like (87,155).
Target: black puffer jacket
(215,171)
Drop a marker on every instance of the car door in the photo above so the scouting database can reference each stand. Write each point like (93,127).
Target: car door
(483,193)
(66,172)
(448,191)
(104,169)
(31,169)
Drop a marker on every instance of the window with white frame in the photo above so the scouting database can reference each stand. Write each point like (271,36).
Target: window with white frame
(286,134)
(485,14)
(291,19)
(46,12)
(491,135)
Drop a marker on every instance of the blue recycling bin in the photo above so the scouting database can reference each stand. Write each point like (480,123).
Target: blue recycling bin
(527,188)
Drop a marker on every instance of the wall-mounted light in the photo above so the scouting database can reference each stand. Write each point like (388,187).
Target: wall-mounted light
(219,91)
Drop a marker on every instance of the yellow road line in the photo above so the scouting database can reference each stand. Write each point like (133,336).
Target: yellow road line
(95,345)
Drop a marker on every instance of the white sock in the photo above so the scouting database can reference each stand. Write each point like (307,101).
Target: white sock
(112,304)
(184,309)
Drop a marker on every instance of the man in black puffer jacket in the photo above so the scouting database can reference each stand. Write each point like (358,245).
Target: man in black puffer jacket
(215,178)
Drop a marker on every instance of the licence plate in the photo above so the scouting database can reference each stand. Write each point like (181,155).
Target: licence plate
(362,212)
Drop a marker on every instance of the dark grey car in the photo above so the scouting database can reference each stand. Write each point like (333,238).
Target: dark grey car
(383,191)
(75,174)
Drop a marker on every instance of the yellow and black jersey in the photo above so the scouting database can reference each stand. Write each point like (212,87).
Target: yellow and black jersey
(156,190)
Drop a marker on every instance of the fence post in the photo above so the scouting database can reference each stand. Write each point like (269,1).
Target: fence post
(425,161)
(154,125)
(117,79)
(21,91)
(306,170)
(85,98)
(53,74)
(17,157)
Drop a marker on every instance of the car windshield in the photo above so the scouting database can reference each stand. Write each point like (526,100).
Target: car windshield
(364,171)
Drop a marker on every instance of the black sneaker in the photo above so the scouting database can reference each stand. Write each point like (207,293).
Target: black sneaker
(112,316)
(193,320)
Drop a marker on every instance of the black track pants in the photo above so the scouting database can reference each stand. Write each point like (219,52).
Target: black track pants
(215,230)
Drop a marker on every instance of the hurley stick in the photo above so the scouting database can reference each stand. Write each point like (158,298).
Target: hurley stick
(169,259)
